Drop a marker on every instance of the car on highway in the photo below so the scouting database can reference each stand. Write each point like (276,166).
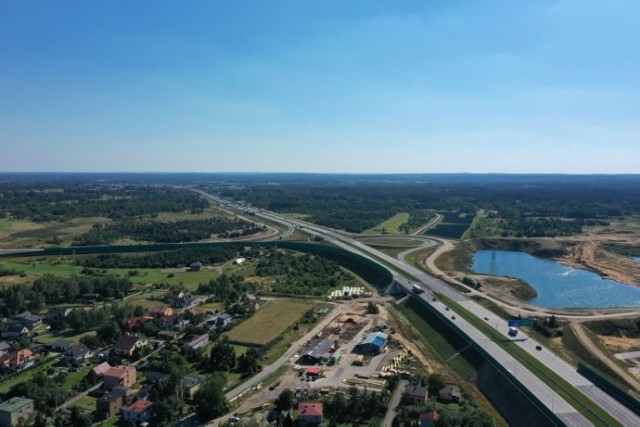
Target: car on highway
(446,308)
(453,317)
(486,318)
(538,347)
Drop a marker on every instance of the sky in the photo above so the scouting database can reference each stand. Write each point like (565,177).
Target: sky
(359,86)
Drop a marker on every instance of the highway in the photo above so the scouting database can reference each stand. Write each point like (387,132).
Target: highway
(547,396)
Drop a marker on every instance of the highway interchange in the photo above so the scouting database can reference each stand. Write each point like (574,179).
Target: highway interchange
(545,394)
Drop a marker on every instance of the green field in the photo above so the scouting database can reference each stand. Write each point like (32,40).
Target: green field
(269,322)
(4,225)
(391,226)
(190,280)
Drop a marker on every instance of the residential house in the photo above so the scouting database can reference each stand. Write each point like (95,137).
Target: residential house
(138,411)
(192,383)
(101,369)
(78,354)
(428,419)
(119,376)
(109,405)
(167,322)
(198,342)
(56,313)
(223,320)
(192,312)
(28,319)
(195,266)
(162,312)
(250,303)
(416,393)
(132,323)
(167,335)
(62,345)
(127,344)
(14,332)
(309,414)
(16,411)
(18,360)
(181,299)
(4,348)
(450,393)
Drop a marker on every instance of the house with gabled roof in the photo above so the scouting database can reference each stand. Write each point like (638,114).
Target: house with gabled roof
(127,344)
(162,312)
(139,411)
(15,331)
(198,342)
(78,354)
(18,360)
(28,319)
(56,313)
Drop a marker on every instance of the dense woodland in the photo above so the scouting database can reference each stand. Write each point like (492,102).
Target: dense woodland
(298,274)
(42,202)
(167,232)
(529,205)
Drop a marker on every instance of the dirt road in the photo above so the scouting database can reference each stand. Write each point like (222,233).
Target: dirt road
(584,339)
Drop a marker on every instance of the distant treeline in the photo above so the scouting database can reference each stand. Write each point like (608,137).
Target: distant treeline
(46,203)
(169,259)
(166,232)
(525,203)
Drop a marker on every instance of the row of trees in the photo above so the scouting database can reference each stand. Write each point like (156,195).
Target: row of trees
(168,259)
(51,289)
(165,232)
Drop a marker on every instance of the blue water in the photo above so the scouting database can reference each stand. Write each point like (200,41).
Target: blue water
(559,286)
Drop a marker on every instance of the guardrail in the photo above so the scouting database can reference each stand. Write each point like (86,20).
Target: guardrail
(609,387)
(552,417)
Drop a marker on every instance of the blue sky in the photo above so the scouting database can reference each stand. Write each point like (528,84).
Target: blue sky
(320,86)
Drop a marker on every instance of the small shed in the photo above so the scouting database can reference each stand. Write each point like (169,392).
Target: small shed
(195,266)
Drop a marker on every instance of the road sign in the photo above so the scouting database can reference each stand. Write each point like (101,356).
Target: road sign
(517,323)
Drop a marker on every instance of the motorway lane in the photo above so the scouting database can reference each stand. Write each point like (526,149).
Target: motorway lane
(548,397)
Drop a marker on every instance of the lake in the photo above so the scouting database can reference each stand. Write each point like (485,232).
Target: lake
(558,286)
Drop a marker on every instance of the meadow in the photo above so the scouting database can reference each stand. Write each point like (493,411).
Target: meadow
(269,322)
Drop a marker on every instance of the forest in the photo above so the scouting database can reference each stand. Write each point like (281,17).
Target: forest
(529,205)
(42,202)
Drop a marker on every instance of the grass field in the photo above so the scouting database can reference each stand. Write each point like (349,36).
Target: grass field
(5,225)
(64,336)
(190,280)
(391,225)
(6,385)
(269,322)
(87,404)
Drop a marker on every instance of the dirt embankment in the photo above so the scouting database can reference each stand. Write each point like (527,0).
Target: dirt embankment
(593,256)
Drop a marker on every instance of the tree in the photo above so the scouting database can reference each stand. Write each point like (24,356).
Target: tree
(284,402)
(436,382)
(372,308)
(223,357)
(209,400)
(248,362)
(109,333)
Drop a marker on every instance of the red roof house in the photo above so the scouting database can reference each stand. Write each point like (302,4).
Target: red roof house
(309,414)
